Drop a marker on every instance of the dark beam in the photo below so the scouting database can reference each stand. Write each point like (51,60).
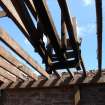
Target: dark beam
(83,67)
(99,31)
(68,22)
(48,24)
(58,65)
(31,7)
(35,35)
(69,55)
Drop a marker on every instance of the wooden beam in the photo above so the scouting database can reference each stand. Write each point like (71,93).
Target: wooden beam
(47,22)
(11,12)
(68,21)
(74,23)
(34,35)
(15,47)
(63,34)
(31,7)
(12,69)
(99,32)
(3,14)
(49,27)
(9,57)
(3,79)
(58,65)
(5,83)
(7,75)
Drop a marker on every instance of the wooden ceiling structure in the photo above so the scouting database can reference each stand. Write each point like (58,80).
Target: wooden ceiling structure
(60,53)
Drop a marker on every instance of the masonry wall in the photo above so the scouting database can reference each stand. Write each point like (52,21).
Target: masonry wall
(92,94)
(76,95)
(48,96)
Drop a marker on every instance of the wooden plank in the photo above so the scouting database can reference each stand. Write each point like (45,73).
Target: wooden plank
(5,83)
(16,84)
(11,11)
(7,75)
(74,23)
(9,57)
(15,47)
(3,79)
(12,69)
(26,84)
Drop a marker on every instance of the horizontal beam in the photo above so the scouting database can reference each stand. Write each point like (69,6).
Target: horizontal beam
(9,57)
(60,65)
(18,50)
(69,55)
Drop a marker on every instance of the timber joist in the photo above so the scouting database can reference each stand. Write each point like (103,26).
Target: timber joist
(54,82)
(58,54)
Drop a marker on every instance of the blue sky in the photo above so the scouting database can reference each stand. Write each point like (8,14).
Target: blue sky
(84,11)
